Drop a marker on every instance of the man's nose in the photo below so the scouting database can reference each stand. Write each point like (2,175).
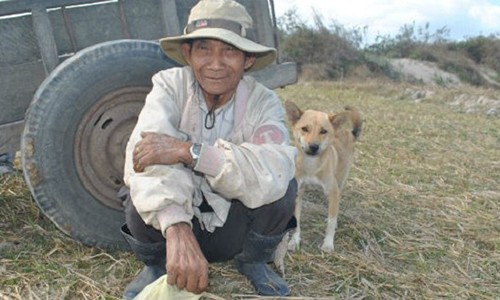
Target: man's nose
(216,60)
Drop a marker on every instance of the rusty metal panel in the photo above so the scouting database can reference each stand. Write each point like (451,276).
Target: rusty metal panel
(18,83)
(61,32)
(183,9)
(95,24)
(170,20)
(144,20)
(19,44)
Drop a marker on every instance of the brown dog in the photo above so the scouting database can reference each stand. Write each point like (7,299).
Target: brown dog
(325,144)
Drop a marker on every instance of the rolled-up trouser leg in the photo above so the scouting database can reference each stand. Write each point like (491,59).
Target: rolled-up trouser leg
(272,219)
(252,262)
(277,217)
(150,249)
(268,226)
(138,229)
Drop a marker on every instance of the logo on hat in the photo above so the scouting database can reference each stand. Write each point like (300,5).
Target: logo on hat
(201,23)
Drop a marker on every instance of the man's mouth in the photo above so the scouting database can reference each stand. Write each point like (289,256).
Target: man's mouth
(215,78)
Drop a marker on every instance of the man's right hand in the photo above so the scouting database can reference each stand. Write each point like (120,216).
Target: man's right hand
(160,149)
(187,267)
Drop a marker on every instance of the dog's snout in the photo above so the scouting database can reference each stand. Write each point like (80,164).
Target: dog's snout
(312,149)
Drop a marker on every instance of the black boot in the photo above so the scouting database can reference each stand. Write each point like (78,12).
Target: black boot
(152,255)
(252,262)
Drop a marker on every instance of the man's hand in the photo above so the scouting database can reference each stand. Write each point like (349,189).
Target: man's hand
(187,267)
(160,149)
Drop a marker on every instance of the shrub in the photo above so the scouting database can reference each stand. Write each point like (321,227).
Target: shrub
(334,48)
(482,50)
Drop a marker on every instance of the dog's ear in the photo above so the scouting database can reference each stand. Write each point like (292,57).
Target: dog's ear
(293,112)
(338,120)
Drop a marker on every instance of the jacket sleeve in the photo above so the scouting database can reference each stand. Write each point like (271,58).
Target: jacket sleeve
(258,171)
(161,194)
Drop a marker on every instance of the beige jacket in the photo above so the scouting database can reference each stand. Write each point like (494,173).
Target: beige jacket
(254,165)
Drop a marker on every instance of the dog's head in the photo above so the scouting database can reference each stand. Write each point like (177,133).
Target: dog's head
(314,131)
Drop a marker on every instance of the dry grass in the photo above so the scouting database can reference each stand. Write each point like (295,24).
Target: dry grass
(419,219)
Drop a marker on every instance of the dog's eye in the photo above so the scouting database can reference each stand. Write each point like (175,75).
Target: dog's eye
(323,131)
(305,129)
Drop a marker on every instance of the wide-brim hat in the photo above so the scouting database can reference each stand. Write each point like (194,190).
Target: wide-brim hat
(224,20)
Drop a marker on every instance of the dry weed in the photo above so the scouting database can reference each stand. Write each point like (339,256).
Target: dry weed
(419,217)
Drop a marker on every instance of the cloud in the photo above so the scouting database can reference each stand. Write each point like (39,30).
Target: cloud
(464,18)
(487,14)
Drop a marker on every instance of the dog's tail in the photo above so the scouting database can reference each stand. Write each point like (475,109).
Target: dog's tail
(356,120)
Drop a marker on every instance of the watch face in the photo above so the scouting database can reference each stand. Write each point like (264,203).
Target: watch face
(195,150)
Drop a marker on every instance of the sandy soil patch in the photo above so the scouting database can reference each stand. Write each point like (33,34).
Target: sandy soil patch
(424,72)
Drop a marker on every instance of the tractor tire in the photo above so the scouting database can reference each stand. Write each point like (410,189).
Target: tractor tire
(75,134)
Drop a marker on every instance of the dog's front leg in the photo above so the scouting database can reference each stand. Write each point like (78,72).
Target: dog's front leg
(333,209)
(294,242)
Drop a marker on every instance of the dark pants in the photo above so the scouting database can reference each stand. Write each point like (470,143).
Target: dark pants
(225,242)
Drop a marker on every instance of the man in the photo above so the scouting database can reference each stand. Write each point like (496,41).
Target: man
(209,165)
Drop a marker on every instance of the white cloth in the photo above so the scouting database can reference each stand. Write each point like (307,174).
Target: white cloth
(160,289)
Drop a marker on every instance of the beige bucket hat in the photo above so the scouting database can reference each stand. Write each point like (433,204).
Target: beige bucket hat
(224,20)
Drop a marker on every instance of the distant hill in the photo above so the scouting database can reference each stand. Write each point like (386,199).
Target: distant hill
(414,55)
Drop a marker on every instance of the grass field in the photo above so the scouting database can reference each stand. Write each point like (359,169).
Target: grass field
(419,219)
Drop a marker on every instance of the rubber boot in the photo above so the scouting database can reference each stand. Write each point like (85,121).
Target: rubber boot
(252,262)
(152,255)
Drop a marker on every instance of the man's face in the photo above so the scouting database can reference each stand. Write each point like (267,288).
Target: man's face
(217,66)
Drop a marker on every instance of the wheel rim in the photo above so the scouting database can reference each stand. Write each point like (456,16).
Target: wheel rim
(101,139)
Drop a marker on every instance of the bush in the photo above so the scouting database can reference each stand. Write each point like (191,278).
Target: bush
(335,49)
(482,50)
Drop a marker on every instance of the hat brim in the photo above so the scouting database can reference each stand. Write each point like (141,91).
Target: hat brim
(264,55)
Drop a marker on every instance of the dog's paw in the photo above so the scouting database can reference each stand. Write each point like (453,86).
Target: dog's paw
(327,247)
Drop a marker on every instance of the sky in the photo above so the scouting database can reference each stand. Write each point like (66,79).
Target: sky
(463,18)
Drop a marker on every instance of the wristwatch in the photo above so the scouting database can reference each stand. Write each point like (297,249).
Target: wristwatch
(195,153)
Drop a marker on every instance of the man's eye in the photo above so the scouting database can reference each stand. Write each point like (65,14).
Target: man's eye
(201,46)
(231,50)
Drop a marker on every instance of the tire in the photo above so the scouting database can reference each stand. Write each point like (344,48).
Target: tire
(76,130)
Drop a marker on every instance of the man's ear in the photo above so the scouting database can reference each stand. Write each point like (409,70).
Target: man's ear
(186,52)
(249,60)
